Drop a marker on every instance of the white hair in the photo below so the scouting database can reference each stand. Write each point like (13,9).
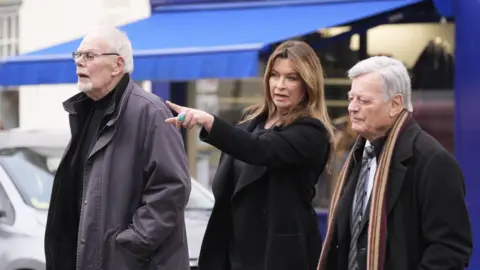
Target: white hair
(118,42)
(394,74)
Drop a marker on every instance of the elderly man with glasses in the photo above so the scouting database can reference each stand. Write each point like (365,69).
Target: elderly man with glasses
(120,191)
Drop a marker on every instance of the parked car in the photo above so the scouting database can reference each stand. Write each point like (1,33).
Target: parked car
(28,162)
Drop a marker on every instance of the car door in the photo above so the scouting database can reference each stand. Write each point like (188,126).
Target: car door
(7,218)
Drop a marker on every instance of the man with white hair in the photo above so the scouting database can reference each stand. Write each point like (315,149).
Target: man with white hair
(399,200)
(121,189)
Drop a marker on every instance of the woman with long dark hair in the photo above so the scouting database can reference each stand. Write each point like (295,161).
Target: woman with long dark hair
(263,218)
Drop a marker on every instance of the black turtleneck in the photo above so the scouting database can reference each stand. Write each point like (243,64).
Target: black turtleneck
(91,126)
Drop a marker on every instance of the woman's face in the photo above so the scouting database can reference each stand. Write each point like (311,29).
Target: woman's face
(286,88)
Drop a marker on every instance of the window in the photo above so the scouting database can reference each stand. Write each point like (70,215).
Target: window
(9,31)
(9,46)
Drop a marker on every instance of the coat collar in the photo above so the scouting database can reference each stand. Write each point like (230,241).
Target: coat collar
(75,104)
(251,125)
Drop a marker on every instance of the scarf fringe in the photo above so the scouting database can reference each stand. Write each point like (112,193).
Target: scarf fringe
(377,226)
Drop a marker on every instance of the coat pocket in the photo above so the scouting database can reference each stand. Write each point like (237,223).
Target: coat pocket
(287,252)
(132,260)
(116,257)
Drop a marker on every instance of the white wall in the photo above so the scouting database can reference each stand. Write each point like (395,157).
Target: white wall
(50,22)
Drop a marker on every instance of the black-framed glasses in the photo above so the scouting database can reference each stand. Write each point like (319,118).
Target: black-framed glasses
(89,56)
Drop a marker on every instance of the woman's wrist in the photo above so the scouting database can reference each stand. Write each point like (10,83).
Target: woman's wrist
(208,122)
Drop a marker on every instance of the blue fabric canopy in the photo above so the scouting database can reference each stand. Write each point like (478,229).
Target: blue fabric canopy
(189,45)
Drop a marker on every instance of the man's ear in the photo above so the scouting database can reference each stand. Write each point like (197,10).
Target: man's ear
(397,105)
(119,67)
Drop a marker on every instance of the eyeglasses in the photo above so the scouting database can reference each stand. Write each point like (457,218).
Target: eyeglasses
(89,56)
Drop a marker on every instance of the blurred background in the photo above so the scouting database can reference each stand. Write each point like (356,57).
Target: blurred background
(211,54)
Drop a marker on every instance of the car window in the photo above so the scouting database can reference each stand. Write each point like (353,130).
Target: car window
(32,178)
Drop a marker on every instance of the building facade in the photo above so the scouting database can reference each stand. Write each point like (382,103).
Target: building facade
(40,106)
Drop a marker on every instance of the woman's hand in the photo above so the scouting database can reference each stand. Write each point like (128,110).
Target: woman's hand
(188,117)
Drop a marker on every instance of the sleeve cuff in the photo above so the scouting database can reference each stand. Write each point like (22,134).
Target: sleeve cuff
(219,134)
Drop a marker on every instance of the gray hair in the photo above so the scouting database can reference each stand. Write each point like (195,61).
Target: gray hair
(118,42)
(394,74)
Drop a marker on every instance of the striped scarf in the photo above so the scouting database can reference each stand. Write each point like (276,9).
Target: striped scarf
(377,227)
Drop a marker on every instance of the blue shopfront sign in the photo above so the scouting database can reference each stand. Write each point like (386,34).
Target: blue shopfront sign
(444,7)
(186,2)
(160,3)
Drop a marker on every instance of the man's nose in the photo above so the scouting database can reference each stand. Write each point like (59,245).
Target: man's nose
(80,61)
(352,107)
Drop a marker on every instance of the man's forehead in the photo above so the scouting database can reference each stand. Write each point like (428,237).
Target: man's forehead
(365,92)
(368,84)
(93,43)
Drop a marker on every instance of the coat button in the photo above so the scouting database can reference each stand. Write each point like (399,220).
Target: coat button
(82,241)
(85,202)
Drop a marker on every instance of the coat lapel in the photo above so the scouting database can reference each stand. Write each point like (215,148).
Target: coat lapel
(222,176)
(103,140)
(252,173)
(105,135)
(402,152)
(344,208)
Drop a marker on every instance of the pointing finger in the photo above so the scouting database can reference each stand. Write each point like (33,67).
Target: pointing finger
(173,106)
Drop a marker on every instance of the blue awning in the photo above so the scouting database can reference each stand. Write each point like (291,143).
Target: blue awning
(189,45)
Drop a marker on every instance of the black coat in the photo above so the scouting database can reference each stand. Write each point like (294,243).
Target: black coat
(275,224)
(428,226)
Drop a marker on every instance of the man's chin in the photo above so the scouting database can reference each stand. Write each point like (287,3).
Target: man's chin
(358,129)
(84,88)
